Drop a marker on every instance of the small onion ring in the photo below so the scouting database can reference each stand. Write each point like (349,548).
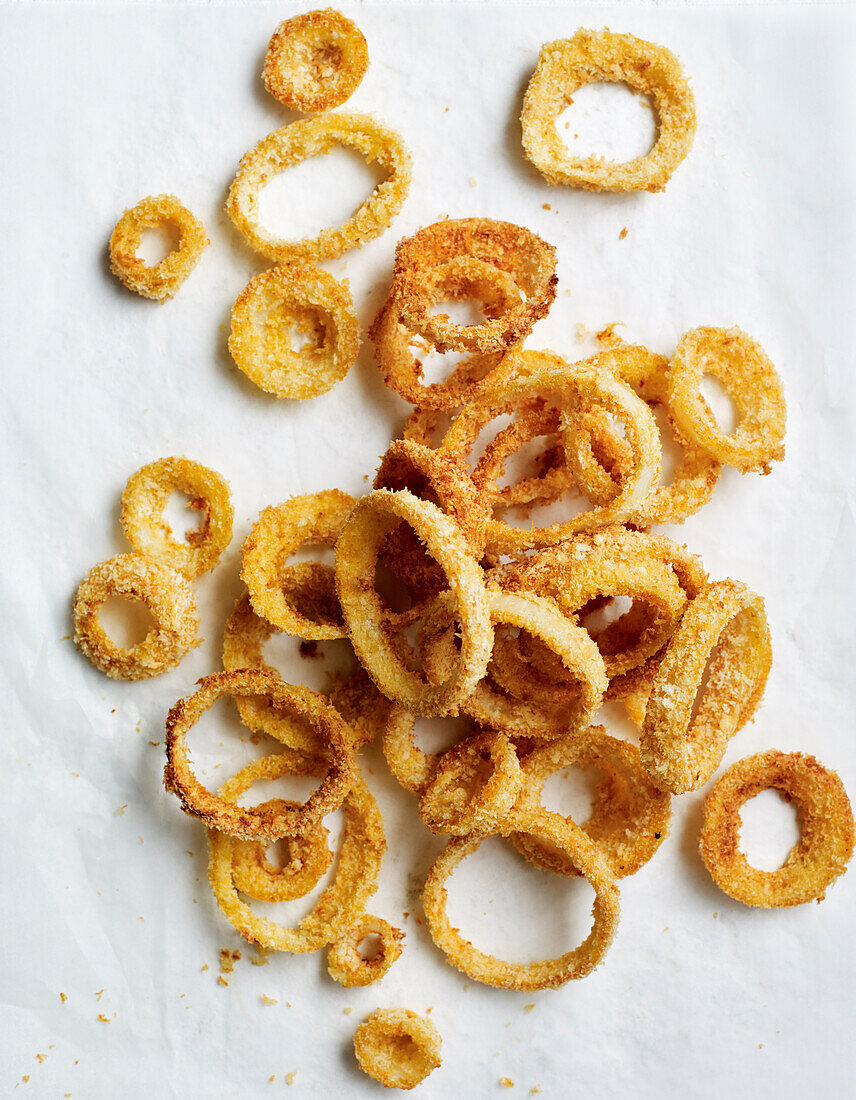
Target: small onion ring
(306,138)
(726,620)
(226,815)
(165,593)
(348,967)
(397,1047)
(143,501)
(279,532)
(408,763)
(263,315)
(361,847)
(163,279)
(742,366)
(356,554)
(826,830)
(546,973)
(592,57)
(309,857)
(315,61)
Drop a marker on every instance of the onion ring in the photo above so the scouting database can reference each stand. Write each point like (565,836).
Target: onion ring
(269,823)
(530,262)
(165,593)
(315,61)
(280,530)
(361,847)
(309,857)
(345,963)
(826,830)
(356,553)
(546,973)
(266,312)
(397,1047)
(163,279)
(143,501)
(726,620)
(742,366)
(307,138)
(630,816)
(591,57)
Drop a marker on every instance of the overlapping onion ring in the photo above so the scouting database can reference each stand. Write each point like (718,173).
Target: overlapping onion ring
(266,313)
(315,61)
(825,821)
(294,598)
(629,818)
(143,501)
(750,379)
(271,821)
(307,138)
(165,593)
(592,57)
(349,966)
(309,857)
(530,262)
(356,555)
(724,630)
(410,765)
(397,1047)
(361,847)
(546,973)
(163,279)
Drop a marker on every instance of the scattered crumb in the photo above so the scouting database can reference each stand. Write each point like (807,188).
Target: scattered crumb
(205,966)
(347,1011)
(76,775)
(289,1077)
(760,1046)
(309,651)
(268,1000)
(140,839)
(288,1004)
(716,914)
(406,913)
(535,1090)
(528,1008)
(121,810)
(581,332)
(666,929)
(261,957)
(473,181)
(65,637)
(189,852)
(25,1078)
(98,994)
(272,1077)
(546,206)
(42,1057)
(102,1018)
(63,997)
(622,234)
(143,919)
(365,477)
(228,959)
(506,1082)
(155,743)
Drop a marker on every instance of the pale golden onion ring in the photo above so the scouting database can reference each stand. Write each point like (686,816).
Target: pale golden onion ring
(309,857)
(397,1048)
(163,279)
(315,61)
(349,967)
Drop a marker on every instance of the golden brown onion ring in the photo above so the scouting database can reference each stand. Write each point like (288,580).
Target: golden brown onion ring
(163,279)
(309,857)
(397,1048)
(349,967)
(315,61)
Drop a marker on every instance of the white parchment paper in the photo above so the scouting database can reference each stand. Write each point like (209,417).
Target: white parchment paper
(104,893)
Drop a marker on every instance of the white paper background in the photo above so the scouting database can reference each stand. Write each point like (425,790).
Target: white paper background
(100,105)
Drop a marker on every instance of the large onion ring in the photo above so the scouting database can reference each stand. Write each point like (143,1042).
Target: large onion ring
(825,820)
(165,593)
(546,973)
(274,821)
(345,963)
(307,138)
(397,1047)
(163,279)
(143,501)
(315,61)
(591,57)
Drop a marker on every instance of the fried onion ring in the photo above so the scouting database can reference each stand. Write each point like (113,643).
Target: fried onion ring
(592,57)
(165,593)
(361,847)
(825,820)
(315,61)
(144,524)
(347,965)
(163,279)
(307,138)
(397,1047)
(546,973)
(309,857)
(275,820)
(268,310)
(751,380)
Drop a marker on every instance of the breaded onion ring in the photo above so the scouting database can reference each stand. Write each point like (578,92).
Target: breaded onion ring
(593,57)
(411,766)
(546,973)
(356,555)
(347,965)
(309,857)
(751,380)
(530,262)
(165,593)
(315,61)
(307,138)
(724,625)
(270,307)
(144,524)
(629,818)
(397,1048)
(274,820)
(825,821)
(163,279)
(361,847)
(294,598)
(473,787)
